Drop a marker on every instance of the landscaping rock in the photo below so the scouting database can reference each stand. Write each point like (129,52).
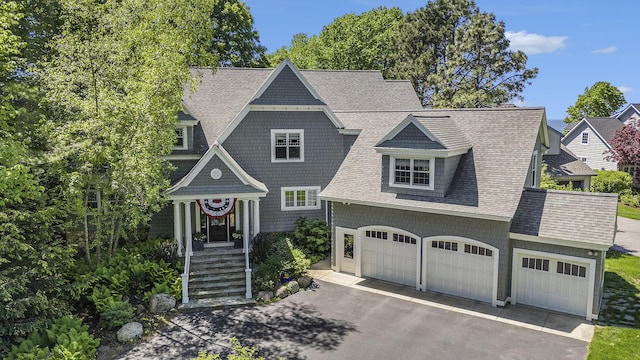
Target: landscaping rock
(130,331)
(140,309)
(265,296)
(160,303)
(281,292)
(293,286)
(304,281)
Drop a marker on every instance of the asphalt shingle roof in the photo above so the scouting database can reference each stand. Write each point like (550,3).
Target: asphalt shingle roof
(489,179)
(605,126)
(566,164)
(567,215)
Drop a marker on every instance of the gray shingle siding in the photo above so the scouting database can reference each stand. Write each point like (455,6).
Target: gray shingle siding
(287,89)
(445,169)
(494,233)
(250,146)
(204,177)
(161,224)
(569,251)
(182,168)
(348,141)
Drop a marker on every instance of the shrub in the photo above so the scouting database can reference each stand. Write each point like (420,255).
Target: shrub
(312,236)
(261,246)
(283,261)
(630,200)
(66,337)
(609,181)
(239,353)
(116,313)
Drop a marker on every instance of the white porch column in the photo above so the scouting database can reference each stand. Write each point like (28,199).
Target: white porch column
(187,226)
(245,233)
(177,226)
(256,217)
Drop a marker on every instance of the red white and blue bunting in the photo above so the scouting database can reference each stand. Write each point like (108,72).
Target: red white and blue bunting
(216,208)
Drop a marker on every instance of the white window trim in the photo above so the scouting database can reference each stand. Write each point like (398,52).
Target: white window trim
(286,131)
(582,138)
(392,174)
(185,139)
(534,169)
(284,190)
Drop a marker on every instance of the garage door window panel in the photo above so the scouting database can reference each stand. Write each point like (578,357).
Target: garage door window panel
(535,263)
(445,245)
(566,268)
(477,250)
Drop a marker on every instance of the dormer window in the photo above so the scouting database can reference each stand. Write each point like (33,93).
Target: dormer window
(411,173)
(181,138)
(287,145)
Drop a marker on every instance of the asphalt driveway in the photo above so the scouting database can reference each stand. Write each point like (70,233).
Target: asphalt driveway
(342,322)
(628,236)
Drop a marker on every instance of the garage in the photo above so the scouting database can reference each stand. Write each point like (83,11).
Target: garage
(554,282)
(390,254)
(461,267)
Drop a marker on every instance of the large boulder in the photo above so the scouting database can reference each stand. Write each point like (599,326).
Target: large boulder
(304,281)
(281,292)
(293,286)
(265,296)
(130,331)
(161,303)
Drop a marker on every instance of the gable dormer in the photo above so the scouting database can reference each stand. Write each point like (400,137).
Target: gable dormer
(421,155)
(184,133)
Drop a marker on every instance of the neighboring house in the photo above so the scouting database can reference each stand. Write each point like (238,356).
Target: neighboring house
(440,200)
(589,140)
(564,166)
(630,113)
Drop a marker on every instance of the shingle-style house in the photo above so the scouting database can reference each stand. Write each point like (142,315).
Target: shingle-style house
(629,113)
(439,200)
(564,166)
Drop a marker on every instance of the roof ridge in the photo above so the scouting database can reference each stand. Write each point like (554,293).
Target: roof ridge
(572,193)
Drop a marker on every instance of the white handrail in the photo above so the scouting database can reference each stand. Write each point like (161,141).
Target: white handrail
(185,274)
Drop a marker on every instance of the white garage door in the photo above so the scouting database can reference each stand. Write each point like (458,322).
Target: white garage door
(459,268)
(389,255)
(552,283)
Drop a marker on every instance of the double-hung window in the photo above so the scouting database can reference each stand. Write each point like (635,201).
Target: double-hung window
(181,138)
(414,173)
(300,198)
(585,138)
(287,145)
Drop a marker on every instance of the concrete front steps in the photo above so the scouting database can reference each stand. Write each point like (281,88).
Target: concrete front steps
(217,279)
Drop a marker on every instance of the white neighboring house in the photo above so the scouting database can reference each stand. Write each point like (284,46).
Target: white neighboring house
(630,113)
(589,140)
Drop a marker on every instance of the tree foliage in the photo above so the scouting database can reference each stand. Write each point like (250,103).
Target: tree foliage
(600,100)
(33,256)
(625,147)
(234,40)
(350,42)
(114,87)
(457,56)
(610,181)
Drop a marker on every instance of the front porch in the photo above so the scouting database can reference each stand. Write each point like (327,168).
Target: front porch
(215,222)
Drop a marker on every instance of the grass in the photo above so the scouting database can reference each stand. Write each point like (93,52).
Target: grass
(628,212)
(619,338)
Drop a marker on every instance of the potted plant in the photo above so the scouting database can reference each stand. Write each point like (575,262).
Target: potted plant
(237,239)
(197,244)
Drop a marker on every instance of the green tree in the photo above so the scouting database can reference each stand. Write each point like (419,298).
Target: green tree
(350,42)
(600,100)
(234,40)
(457,56)
(114,87)
(33,256)
(610,181)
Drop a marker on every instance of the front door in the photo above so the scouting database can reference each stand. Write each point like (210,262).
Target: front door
(346,250)
(219,230)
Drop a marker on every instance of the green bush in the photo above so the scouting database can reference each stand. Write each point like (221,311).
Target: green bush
(283,261)
(116,313)
(67,338)
(630,200)
(313,237)
(609,181)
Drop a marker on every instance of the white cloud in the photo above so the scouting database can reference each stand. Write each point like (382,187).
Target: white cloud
(606,50)
(534,43)
(625,89)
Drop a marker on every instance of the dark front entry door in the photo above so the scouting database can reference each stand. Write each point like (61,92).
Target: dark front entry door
(221,229)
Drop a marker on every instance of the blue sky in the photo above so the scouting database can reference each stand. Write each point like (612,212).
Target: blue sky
(574,43)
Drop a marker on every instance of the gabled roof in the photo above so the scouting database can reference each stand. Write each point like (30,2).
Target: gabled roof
(224,93)
(633,108)
(573,216)
(566,164)
(439,133)
(489,178)
(602,127)
(246,184)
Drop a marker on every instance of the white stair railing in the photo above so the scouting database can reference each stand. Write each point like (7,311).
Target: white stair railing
(185,275)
